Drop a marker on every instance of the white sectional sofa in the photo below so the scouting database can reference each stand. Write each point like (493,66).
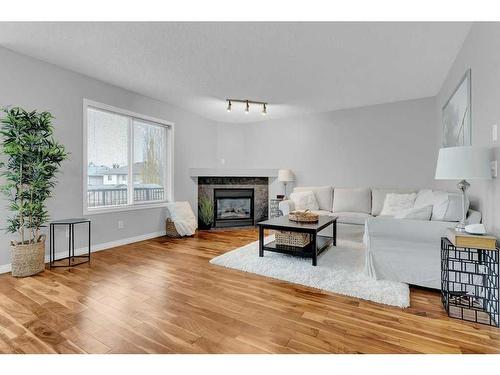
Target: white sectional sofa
(396,249)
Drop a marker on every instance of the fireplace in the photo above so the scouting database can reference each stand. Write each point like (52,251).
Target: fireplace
(232,212)
(233,207)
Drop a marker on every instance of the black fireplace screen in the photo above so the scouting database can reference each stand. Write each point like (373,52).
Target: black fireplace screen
(233,207)
(229,208)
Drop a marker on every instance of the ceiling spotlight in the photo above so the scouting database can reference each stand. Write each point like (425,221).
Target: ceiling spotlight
(247,103)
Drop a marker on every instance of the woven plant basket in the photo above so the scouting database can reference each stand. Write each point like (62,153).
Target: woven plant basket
(295,239)
(171,231)
(27,259)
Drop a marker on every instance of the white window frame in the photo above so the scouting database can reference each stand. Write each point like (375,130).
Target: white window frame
(169,183)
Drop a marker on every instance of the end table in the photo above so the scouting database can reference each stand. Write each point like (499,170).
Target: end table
(70,223)
(470,282)
(274,210)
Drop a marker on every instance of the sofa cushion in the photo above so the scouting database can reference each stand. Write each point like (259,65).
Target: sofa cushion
(323,194)
(352,200)
(357,218)
(304,200)
(448,206)
(396,203)
(378,198)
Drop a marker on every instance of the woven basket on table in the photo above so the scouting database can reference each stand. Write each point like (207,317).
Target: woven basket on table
(295,239)
(303,216)
(171,231)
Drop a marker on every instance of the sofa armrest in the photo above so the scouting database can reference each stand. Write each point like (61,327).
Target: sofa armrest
(405,250)
(473,217)
(286,206)
(405,229)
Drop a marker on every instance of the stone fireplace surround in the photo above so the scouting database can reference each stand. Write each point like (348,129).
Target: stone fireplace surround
(260,185)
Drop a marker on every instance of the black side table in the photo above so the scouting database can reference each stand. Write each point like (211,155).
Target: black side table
(470,281)
(71,243)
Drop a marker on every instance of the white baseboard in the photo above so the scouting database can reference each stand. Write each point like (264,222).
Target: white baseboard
(4,268)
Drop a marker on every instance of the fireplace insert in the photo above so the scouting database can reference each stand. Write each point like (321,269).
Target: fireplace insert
(233,207)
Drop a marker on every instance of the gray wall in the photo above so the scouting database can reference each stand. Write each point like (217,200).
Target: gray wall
(481,53)
(388,145)
(33,84)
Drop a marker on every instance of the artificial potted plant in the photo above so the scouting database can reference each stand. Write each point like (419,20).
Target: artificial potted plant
(30,160)
(205,213)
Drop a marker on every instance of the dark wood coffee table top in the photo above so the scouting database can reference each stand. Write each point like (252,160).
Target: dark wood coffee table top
(283,222)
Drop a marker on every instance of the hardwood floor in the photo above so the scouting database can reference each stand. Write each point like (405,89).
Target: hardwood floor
(162,296)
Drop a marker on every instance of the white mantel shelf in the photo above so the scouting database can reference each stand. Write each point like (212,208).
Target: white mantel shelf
(230,172)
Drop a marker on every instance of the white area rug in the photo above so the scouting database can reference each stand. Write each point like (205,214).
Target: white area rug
(340,270)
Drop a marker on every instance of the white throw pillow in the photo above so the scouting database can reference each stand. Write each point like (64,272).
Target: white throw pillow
(323,194)
(378,197)
(395,203)
(425,197)
(304,200)
(416,213)
(448,206)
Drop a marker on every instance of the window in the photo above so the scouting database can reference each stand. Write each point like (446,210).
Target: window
(133,154)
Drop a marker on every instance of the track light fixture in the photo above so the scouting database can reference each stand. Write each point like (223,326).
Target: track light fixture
(247,105)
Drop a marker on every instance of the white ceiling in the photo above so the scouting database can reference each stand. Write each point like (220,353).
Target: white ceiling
(296,67)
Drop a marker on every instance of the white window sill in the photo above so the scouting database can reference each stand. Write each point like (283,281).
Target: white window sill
(107,210)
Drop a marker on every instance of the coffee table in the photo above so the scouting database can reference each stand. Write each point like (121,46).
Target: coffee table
(317,245)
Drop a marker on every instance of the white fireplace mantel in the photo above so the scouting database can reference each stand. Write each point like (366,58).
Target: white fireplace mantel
(232,172)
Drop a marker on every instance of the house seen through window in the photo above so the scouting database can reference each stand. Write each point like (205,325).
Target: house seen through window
(127,160)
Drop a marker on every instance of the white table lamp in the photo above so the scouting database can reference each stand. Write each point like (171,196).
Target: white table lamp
(463,163)
(285,176)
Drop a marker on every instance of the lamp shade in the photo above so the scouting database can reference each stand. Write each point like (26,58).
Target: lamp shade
(463,163)
(285,175)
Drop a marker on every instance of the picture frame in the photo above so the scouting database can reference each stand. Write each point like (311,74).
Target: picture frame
(457,115)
